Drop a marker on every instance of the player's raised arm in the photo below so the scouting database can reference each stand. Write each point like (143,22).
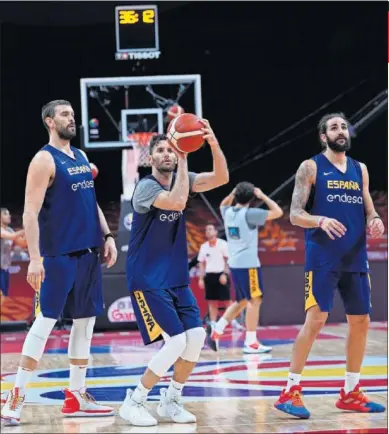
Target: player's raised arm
(373,220)
(219,176)
(40,171)
(175,200)
(275,211)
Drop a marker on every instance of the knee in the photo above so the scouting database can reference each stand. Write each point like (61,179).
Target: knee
(358,322)
(36,339)
(80,338)
(194,343)
(254,302)
(314,322)
(243,303)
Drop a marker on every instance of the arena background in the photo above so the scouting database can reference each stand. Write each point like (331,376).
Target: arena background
(266,81)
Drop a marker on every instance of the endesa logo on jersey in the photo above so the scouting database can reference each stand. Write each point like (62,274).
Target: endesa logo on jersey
(345,198)
(171,217)
(121,310)
(83,185)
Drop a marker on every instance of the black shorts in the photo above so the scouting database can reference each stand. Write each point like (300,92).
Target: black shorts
(214,290)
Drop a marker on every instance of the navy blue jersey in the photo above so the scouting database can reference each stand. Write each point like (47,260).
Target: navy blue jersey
(68,219)
(337,195)
(157,251)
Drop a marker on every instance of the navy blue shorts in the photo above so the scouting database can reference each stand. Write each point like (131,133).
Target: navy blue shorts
(354,289)
(248,283)
(172,311)
(4,281)
(72,286)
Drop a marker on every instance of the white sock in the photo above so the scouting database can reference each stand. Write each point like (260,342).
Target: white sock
(351,380)
(174,389)
(293,380)
(22,379)
(77,376)
(251,338)
(221,325)
(140,393)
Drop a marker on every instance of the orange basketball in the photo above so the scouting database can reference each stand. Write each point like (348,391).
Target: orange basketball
(95,170)
(174,111)
(184,132)
(21,242)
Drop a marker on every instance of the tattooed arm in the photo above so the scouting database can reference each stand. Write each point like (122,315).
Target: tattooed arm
(305,178)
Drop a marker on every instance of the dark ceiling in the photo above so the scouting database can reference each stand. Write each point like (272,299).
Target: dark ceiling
(68,12)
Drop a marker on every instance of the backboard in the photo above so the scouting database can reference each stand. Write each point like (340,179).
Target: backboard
(112,107)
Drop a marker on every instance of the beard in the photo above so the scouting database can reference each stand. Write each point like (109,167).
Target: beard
(163,168)
(337,147)
(65,133)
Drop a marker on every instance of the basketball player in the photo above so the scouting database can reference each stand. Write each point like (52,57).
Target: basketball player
(8,235)
(331,200)
(158,276)
(65,226)
(241,223)
(214,273)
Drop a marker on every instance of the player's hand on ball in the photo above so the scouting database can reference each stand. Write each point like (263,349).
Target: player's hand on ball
(376,228)
(333,228)
(110,252)
(201,283)
(209,135)
(35,274)
(223,279)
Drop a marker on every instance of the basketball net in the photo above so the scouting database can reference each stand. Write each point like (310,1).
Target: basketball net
(133,158)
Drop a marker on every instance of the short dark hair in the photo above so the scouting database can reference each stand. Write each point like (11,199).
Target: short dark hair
(212,224)
(323,124)
(244,192)
(48,110)
(155,140)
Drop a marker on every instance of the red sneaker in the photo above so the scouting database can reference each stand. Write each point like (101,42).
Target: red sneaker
(80,403)
(292,403)
(356,400)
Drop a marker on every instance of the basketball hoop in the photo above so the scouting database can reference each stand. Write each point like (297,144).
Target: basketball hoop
(141,142)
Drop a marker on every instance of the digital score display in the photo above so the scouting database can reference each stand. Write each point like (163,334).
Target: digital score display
(137,32)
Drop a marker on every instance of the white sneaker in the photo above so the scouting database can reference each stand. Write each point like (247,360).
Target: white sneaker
(173,409)
(79,403)
(256,348)
(136,412)
(236,325)
(10,413)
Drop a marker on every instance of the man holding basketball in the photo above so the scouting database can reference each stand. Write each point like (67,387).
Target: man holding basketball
(65,226)
(158,277)
(331,200)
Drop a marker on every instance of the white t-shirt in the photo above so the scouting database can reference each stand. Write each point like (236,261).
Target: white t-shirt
(214,256)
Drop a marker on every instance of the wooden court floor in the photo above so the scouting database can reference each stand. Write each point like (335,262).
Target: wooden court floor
(229,392)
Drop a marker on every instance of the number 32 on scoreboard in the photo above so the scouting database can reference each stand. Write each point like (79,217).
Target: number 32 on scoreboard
(132,17)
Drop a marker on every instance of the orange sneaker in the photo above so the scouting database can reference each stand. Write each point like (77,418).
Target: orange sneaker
(356,400)
(292,403)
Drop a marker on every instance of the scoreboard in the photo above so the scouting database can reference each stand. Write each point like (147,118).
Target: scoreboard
(137,32)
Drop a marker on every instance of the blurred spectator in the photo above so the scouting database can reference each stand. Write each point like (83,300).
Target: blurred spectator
(214,273)
(8,236)
(18,254)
